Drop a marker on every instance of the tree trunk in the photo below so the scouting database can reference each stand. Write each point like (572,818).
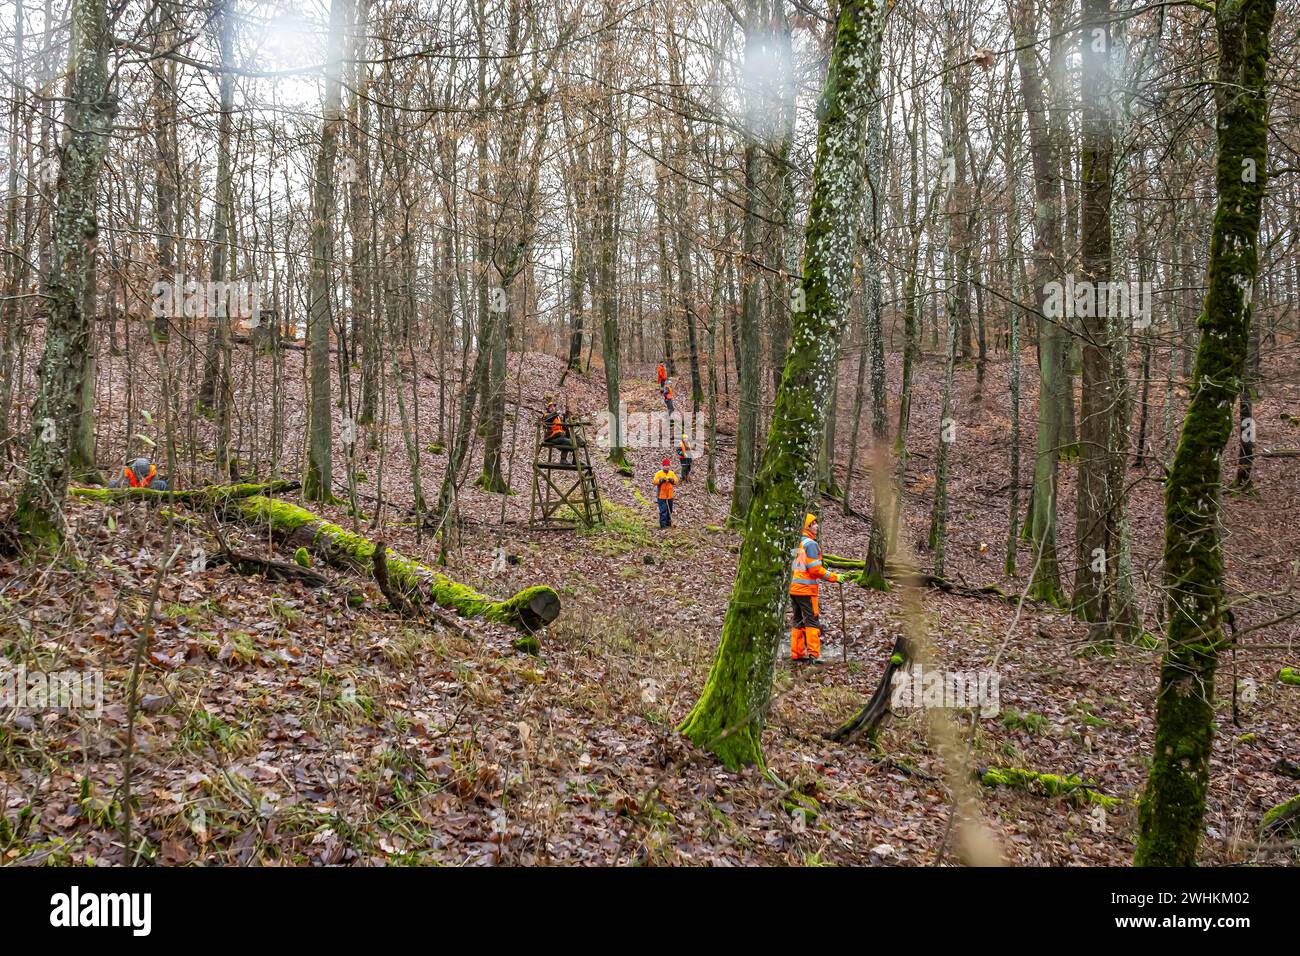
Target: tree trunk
(747,340)
(1173,804)
(364,330)
(728,718)
(1045,584)
(1095,551)
(1246,430)
(318,481)
(577,280)
(81,451)
(89,115)
(164,131)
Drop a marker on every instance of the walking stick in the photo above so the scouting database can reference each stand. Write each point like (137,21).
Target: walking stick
(844,631)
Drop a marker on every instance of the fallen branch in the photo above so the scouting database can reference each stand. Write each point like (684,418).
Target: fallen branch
(267,567)
(398,601)
(856,566)
(241,562)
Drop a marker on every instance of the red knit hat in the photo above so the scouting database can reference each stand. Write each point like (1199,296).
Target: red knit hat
(665,462)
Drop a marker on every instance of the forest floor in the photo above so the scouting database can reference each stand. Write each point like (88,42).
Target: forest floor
(285,725)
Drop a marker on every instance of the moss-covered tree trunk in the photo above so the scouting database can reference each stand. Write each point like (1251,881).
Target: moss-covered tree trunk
(1173,804)
(728,717)
(89,116)
(528,610)
(208,497)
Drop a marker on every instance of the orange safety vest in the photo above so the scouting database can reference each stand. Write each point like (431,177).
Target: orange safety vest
(668,392)
(556,421)
(135,482)
(685,450)
(663,373)
(665,481)
(807,569)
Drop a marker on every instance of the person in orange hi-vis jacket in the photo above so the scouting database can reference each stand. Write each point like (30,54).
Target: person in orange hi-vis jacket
(662,374)
(806,635)
(665,483)
(141,473)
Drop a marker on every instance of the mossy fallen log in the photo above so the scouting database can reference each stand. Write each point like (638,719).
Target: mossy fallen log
(1070,786)
(530,609)
(1289,675)
(211,495)
(1283,819)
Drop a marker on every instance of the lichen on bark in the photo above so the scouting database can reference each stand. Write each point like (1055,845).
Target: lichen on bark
(88,115)
(728,717)
(1173,804)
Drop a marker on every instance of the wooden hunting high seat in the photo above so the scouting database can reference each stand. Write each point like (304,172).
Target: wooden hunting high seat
(565,494)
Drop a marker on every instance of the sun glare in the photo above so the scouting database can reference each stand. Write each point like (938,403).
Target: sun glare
(289,39)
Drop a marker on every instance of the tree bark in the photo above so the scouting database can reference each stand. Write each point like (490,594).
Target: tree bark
(1095,550)
(1173,804)
(318,481)
(1045,584)
(728,717)
(89,116)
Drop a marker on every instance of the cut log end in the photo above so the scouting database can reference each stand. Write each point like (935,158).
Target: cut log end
(530,610)
(541,609)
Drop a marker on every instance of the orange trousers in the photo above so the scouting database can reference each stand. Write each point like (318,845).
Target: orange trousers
(806,635)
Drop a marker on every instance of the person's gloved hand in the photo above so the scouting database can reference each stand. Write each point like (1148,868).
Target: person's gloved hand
(832,577)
